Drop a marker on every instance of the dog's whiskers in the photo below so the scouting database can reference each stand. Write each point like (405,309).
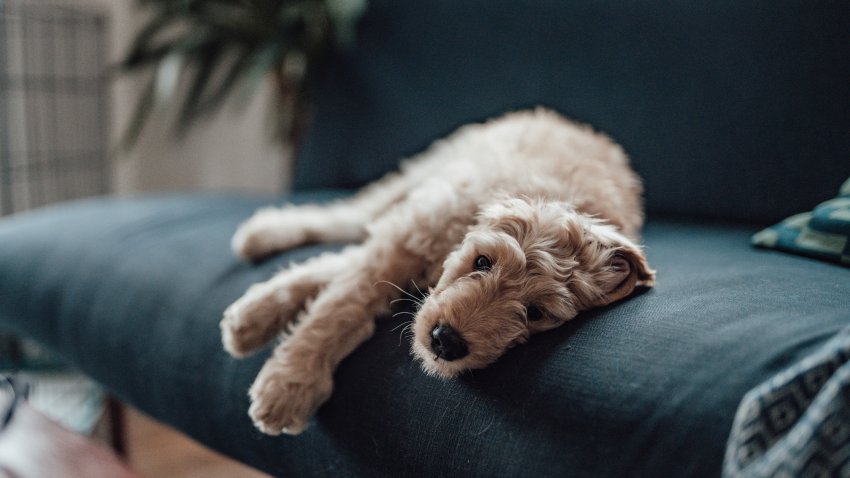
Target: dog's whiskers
(404,312)
(408,330)
(397,287)
(417,302)
(421,294)
(407,327)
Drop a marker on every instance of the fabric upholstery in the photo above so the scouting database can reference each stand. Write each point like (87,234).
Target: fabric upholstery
(823,233)
(737,110)
(131,292)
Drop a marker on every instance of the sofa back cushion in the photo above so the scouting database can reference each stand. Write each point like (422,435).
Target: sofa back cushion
(736,110)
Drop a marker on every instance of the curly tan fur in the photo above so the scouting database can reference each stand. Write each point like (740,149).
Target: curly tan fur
(551,204)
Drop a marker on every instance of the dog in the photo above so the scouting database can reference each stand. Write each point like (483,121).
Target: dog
(515,225)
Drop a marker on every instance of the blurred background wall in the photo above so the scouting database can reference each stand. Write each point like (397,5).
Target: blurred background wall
(234,151)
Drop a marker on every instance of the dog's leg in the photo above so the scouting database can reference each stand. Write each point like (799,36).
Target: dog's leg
(298,377)
(267,308)
(272,229)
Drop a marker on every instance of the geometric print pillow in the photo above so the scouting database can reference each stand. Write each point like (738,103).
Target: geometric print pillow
(823,233)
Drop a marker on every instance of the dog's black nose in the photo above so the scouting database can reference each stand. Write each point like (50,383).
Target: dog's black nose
(447,343)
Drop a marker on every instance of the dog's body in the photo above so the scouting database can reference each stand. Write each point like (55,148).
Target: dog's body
(516,225)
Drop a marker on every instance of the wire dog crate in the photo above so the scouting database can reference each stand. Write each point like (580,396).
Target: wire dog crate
(53,104)
(53,147)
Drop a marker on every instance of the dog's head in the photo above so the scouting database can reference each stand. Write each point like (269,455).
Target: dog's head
(527,266)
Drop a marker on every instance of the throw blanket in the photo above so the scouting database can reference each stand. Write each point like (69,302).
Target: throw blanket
(798,422)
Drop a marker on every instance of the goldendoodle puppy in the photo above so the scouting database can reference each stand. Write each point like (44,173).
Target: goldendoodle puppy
(516,225)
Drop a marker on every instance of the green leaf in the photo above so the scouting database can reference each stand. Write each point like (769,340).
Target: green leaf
(233,72)
(144,107)
(206,60)
(225,46)
(143,50)
(264,61)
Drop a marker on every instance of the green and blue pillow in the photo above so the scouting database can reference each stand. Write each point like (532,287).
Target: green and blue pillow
(823,233)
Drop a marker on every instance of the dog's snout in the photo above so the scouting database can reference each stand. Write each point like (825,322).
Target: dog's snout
(447,343)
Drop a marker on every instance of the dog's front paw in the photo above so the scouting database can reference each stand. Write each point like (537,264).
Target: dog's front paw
(254,319)
(240,337)
(283,398)
(266,232)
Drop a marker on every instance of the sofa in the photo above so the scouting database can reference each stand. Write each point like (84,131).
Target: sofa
(736,115)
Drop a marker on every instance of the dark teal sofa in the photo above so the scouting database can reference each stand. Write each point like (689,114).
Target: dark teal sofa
(736,114)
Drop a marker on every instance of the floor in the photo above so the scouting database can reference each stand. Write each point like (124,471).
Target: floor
(156,450)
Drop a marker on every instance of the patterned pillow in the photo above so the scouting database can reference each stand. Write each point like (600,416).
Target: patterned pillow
(823,233)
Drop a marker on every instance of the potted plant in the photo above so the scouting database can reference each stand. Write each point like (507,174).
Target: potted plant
(199,52)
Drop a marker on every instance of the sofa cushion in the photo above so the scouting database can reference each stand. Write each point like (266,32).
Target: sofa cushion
(738,110)
(823,233)
(131,291)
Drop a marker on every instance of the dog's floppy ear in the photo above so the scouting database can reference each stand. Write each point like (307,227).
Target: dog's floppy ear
(626,269)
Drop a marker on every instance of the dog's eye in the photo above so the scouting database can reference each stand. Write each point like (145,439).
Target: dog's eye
(533,313)
(482,264)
